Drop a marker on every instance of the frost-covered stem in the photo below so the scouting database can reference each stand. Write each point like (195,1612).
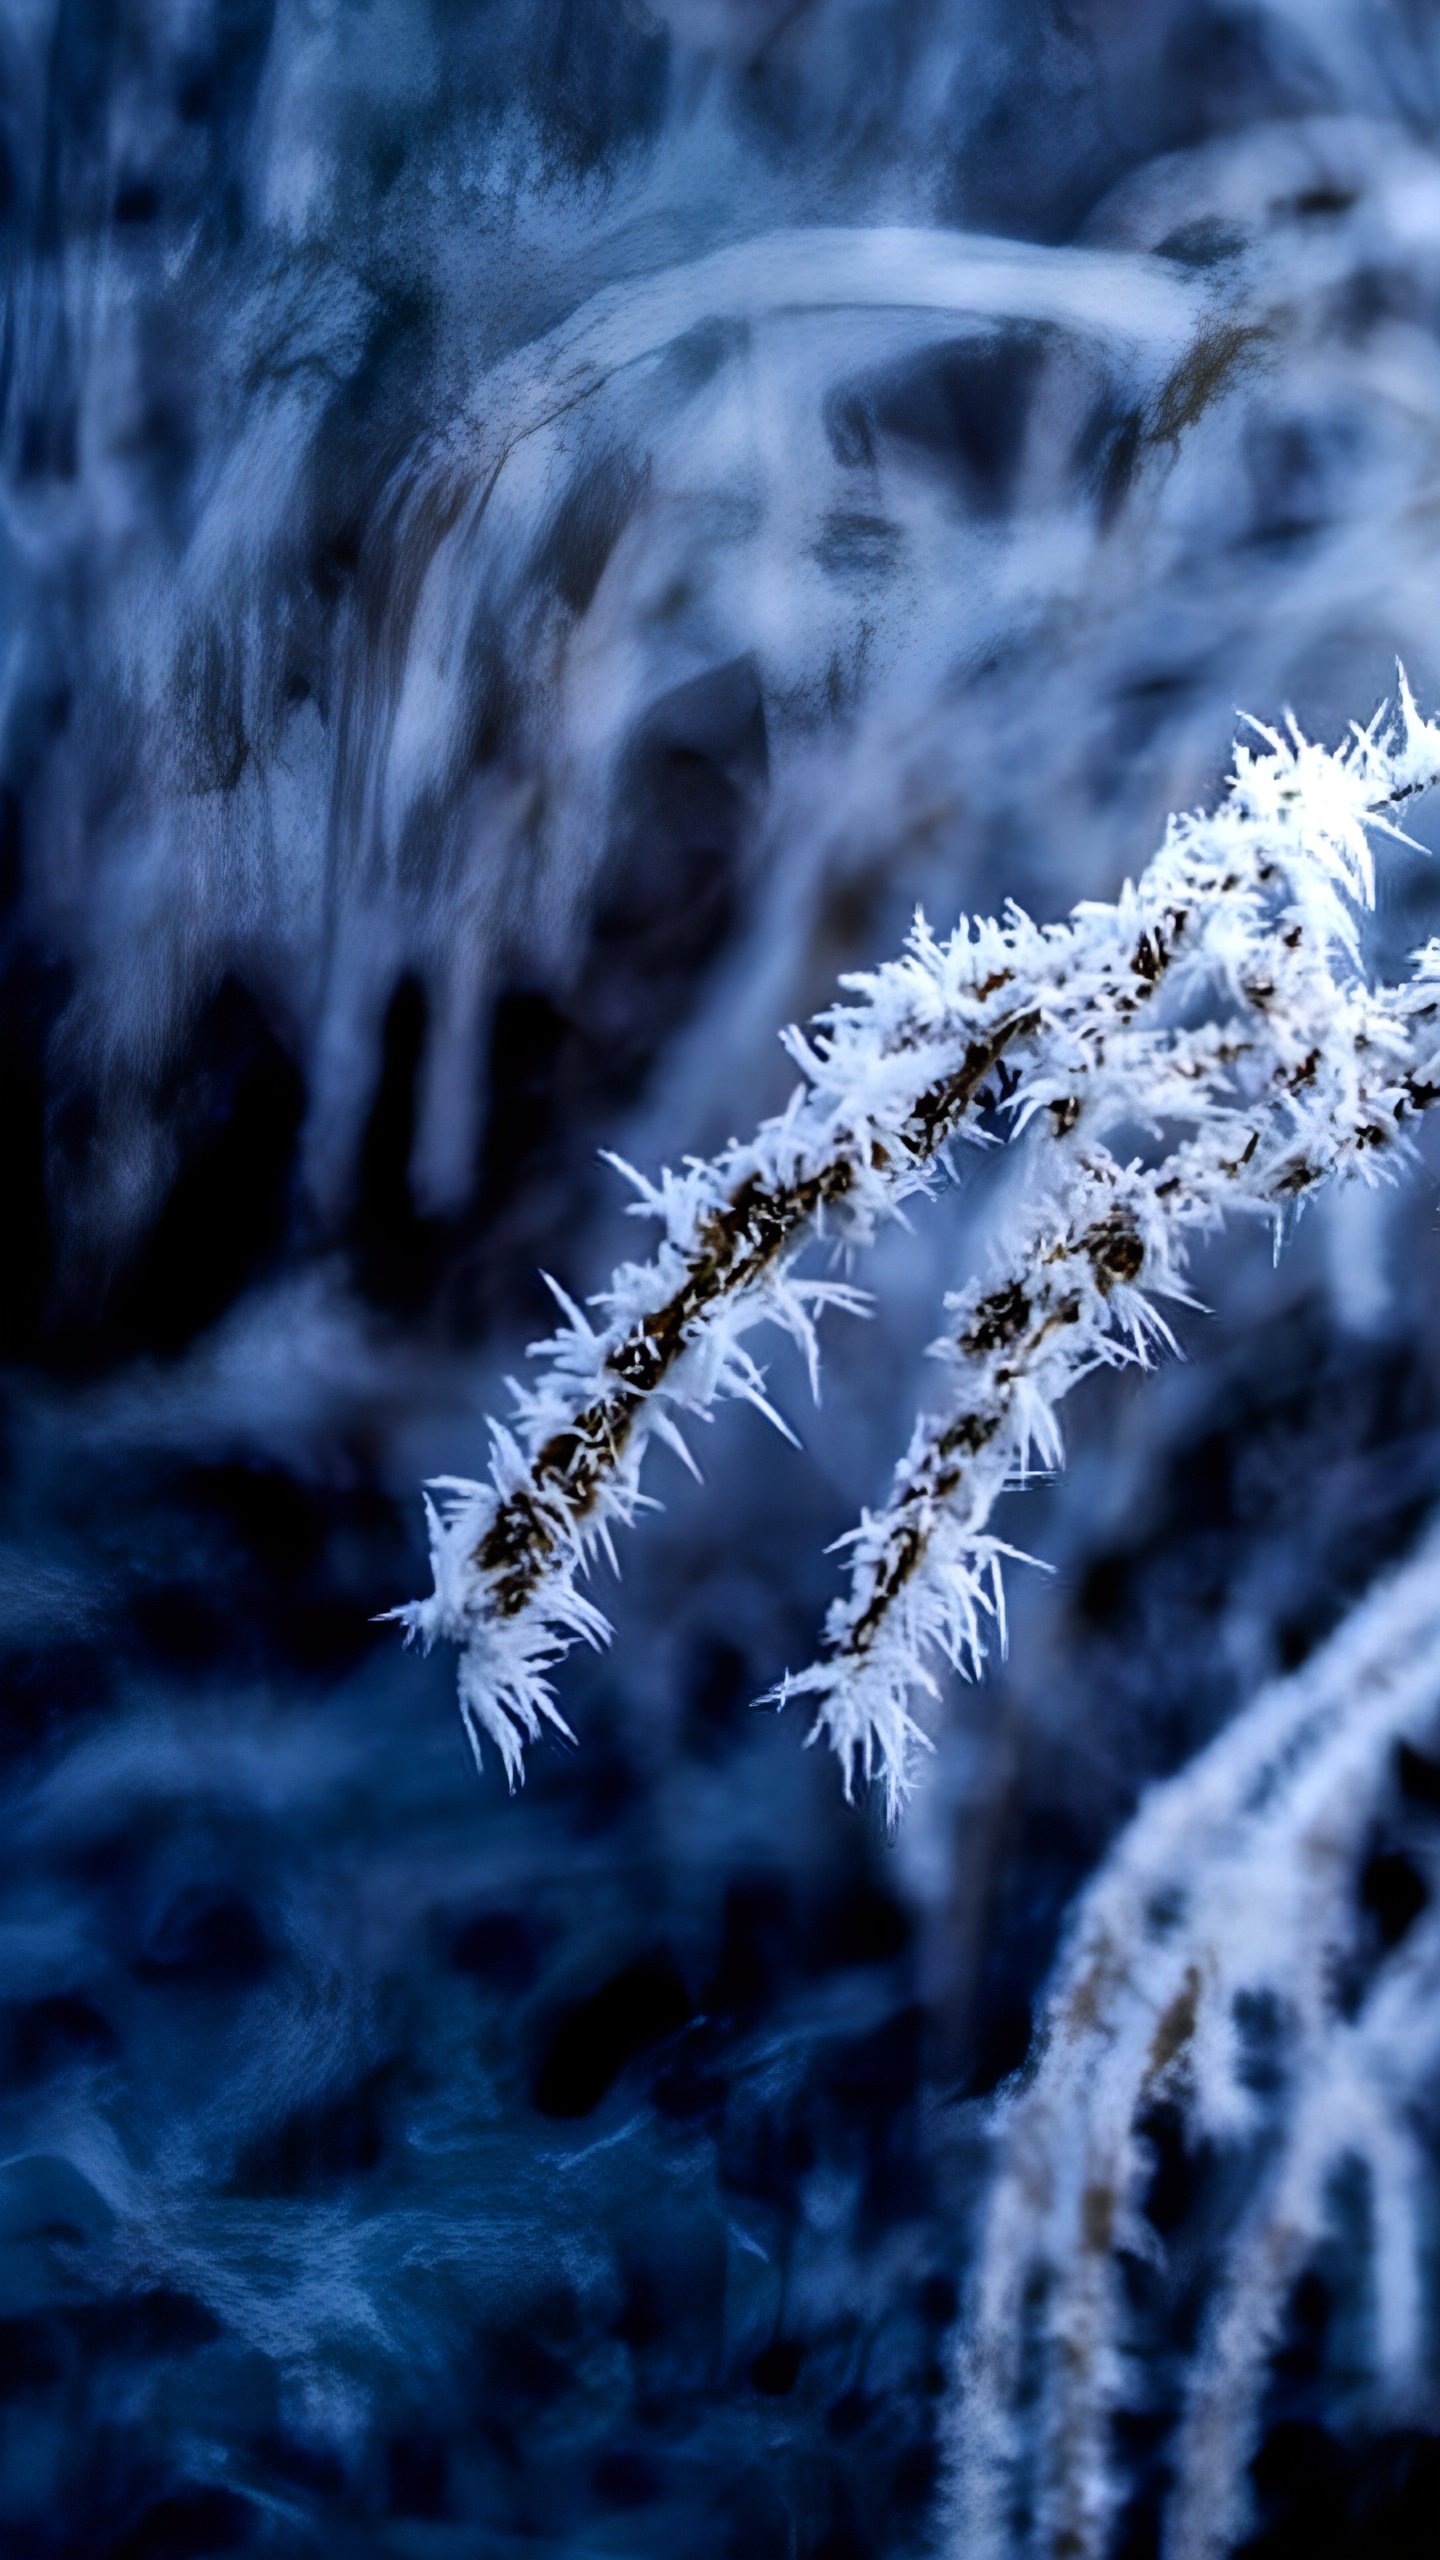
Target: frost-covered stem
(1235,1878)
(949,1029)
(508,1555)
(1318,1080)
(737,1246)
(1360,2102)
(889,1080)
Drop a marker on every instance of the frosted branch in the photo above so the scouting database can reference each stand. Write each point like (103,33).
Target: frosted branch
(1251,910)
(1077,1290)
(1234,1885)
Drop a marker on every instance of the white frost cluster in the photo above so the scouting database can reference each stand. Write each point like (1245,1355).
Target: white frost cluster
(1220,1004)
(1233,1895)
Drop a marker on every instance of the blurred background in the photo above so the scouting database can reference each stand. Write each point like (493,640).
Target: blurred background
(530,537)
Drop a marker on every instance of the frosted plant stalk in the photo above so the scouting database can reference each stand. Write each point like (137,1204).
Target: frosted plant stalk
(1077,1289)
(1250,910)
(1234,1886)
